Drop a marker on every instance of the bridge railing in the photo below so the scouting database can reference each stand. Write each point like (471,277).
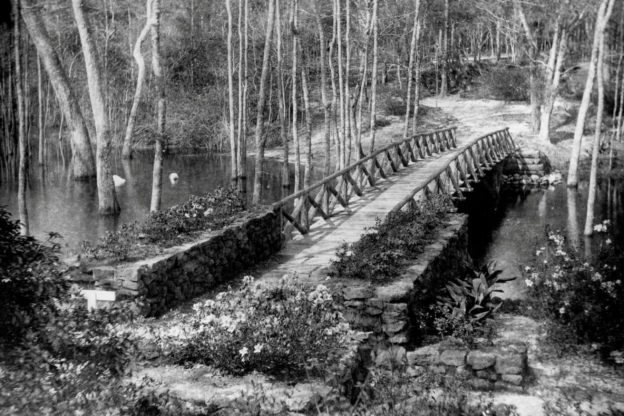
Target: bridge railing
(465,167)
(322,198)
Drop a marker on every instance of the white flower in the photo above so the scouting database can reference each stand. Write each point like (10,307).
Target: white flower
(562,310)
(545,261)
(528,282)
(608,241)
(258,349)
(244,351)
(527,268)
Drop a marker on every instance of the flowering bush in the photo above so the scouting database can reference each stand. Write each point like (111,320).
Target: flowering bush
(581,299)
(165,227)
(384,248)
(277,330)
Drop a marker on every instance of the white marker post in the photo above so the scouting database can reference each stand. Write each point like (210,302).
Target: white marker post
(93,296)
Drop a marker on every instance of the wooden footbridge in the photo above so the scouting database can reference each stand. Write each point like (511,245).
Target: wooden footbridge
(338,209)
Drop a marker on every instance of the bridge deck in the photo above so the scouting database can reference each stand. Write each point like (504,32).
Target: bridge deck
(308,255)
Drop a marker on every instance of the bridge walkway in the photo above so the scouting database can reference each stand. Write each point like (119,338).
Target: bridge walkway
(311,254)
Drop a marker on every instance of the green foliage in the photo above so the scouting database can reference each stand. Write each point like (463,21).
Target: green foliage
(30,282)
(382,251)
(508,83)
(166,227)
(473,296)
(579,299)
(277,330)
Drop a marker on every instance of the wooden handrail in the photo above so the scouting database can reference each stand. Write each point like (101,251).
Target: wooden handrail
(500,138)
(338,174)
(465,165)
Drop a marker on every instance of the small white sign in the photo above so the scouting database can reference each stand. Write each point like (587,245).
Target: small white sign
(93,296)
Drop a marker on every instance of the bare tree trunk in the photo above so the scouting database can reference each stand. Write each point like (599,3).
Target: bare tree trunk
(604,13)
(373,113)
(363,82)
(21,125)
(281,99)
(552,79)
(40,112)
(83,163)
(335,100)
(107,198)
(230,65)
(242,149)
(347,95)
(159,82)
(444,75)
(240,162)
(138,57)
(308,124)
(410,68)
(417,80)
(260,141)
(342,138)
(326,102)
(295,132)
(591,196)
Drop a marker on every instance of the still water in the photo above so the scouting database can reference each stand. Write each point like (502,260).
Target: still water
(57,203)
(511,234)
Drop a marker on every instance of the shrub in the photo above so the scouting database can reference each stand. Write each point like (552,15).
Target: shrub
(277,330)
(30,282)
(467,303)
(382,251)
(509,83)
(168,227)
(579,299)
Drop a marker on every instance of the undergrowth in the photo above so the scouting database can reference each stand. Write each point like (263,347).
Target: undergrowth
(382,251)
(170,226)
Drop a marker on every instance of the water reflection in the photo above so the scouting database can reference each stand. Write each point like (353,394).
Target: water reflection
(510,234)
(57,203)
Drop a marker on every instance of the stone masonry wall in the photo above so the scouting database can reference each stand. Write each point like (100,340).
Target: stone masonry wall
(389,311)
(194,268)
(500,366)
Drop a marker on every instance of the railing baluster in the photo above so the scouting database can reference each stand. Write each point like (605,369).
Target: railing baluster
(337,196)
(392,165)
(404,161)
(453,178)
(354,184)
(410,151)
(463,173)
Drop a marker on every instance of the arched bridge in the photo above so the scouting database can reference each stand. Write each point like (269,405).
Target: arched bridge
(319,219)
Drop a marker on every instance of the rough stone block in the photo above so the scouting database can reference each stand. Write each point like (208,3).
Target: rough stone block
(516,347)
(103,273)
(510,364)
(487,375)
(454,358)
(400,338)
(423,356)
(357,292)
(415,371)
(480,384)
(354,304)
(394,327)
(463,372)
(130,273)
(437,369)
(479,360)
(512,379)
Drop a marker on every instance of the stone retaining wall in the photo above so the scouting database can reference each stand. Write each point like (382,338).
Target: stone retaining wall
(390,311)
(194,268)
(501,366)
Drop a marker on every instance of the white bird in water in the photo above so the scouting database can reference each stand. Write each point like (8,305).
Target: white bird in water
(173,178)
(118,180)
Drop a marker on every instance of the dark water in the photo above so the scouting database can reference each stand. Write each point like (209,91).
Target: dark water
(57,203)
(509,235)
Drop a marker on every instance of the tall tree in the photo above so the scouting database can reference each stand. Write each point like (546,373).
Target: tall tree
(107,198)
(83,163)
(324,99)
(410,68)
(241,155)
(593,176)
(603,16)
(281,99)
(373,112)
(295,131)
(138,57)
(41,122)
(161,108)
(444,51)
(230,66)
(21,124)
(259,138)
